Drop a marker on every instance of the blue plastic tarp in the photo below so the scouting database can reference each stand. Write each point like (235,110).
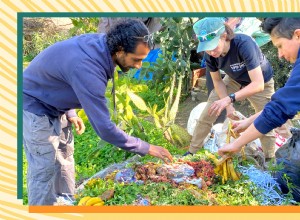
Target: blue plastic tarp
(152,56)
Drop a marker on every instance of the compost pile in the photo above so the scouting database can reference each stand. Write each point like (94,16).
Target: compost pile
(200,173)
(178,177)
(199,179)
(192,180)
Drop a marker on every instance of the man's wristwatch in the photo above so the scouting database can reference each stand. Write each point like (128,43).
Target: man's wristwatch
(232,97)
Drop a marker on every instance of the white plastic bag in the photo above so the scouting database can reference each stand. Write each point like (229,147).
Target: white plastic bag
(194,116)
(217,137)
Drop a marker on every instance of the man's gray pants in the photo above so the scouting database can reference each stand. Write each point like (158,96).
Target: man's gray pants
(49,148)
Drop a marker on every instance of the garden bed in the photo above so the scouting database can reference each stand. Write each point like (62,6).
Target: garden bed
(188,181)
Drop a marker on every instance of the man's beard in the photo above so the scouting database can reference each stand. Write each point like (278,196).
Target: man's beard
(123,68)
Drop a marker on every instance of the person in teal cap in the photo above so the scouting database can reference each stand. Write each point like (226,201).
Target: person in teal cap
(249,75)
(244,25)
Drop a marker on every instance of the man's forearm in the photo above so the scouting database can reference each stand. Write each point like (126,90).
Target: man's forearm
(247,91)
(220,89)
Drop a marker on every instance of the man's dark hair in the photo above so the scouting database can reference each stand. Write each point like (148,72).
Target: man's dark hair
(125,35)
(281,27)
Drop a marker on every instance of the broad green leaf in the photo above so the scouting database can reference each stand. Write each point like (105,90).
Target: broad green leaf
(154,109)
(129,112)
(161,112)
(157,121)
(146,64)
(121,99)
(164,121)
(82,115)
(139,88)
(127,100)
(183,63)
(174,108)
(138,101)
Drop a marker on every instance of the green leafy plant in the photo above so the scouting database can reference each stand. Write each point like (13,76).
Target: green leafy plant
(154,94)
(273,167)
(289,196)
(92,154)
(25,194)
(38,34)
(171,68)
(281,67)
(83,25)
(176,40)
(124,115)
(164,119)
(235,193)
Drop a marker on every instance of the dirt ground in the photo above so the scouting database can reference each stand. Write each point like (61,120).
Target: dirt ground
(187,106)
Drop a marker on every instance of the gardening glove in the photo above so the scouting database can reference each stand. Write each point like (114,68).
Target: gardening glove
(161,153)
(78,123)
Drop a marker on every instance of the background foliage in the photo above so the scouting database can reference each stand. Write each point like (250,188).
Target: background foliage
(281,67)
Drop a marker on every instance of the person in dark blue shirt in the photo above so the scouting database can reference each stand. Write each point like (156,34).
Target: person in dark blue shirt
(242,25)
(249,75)
(285,103)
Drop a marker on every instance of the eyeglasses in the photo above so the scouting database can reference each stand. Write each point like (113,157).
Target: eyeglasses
(148,39)
(208,37)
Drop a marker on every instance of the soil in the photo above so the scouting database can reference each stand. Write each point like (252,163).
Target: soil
(188,104)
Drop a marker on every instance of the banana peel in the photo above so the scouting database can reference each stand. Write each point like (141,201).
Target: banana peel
(91,201)
(99,204)
(224,167)
(223,159)
(234,175)
(83,200)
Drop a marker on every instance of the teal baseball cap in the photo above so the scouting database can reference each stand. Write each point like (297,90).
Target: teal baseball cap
(208,32)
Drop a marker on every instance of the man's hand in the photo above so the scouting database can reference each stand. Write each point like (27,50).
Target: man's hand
(161,153)
(218,106)
(78,123)
(230,110)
